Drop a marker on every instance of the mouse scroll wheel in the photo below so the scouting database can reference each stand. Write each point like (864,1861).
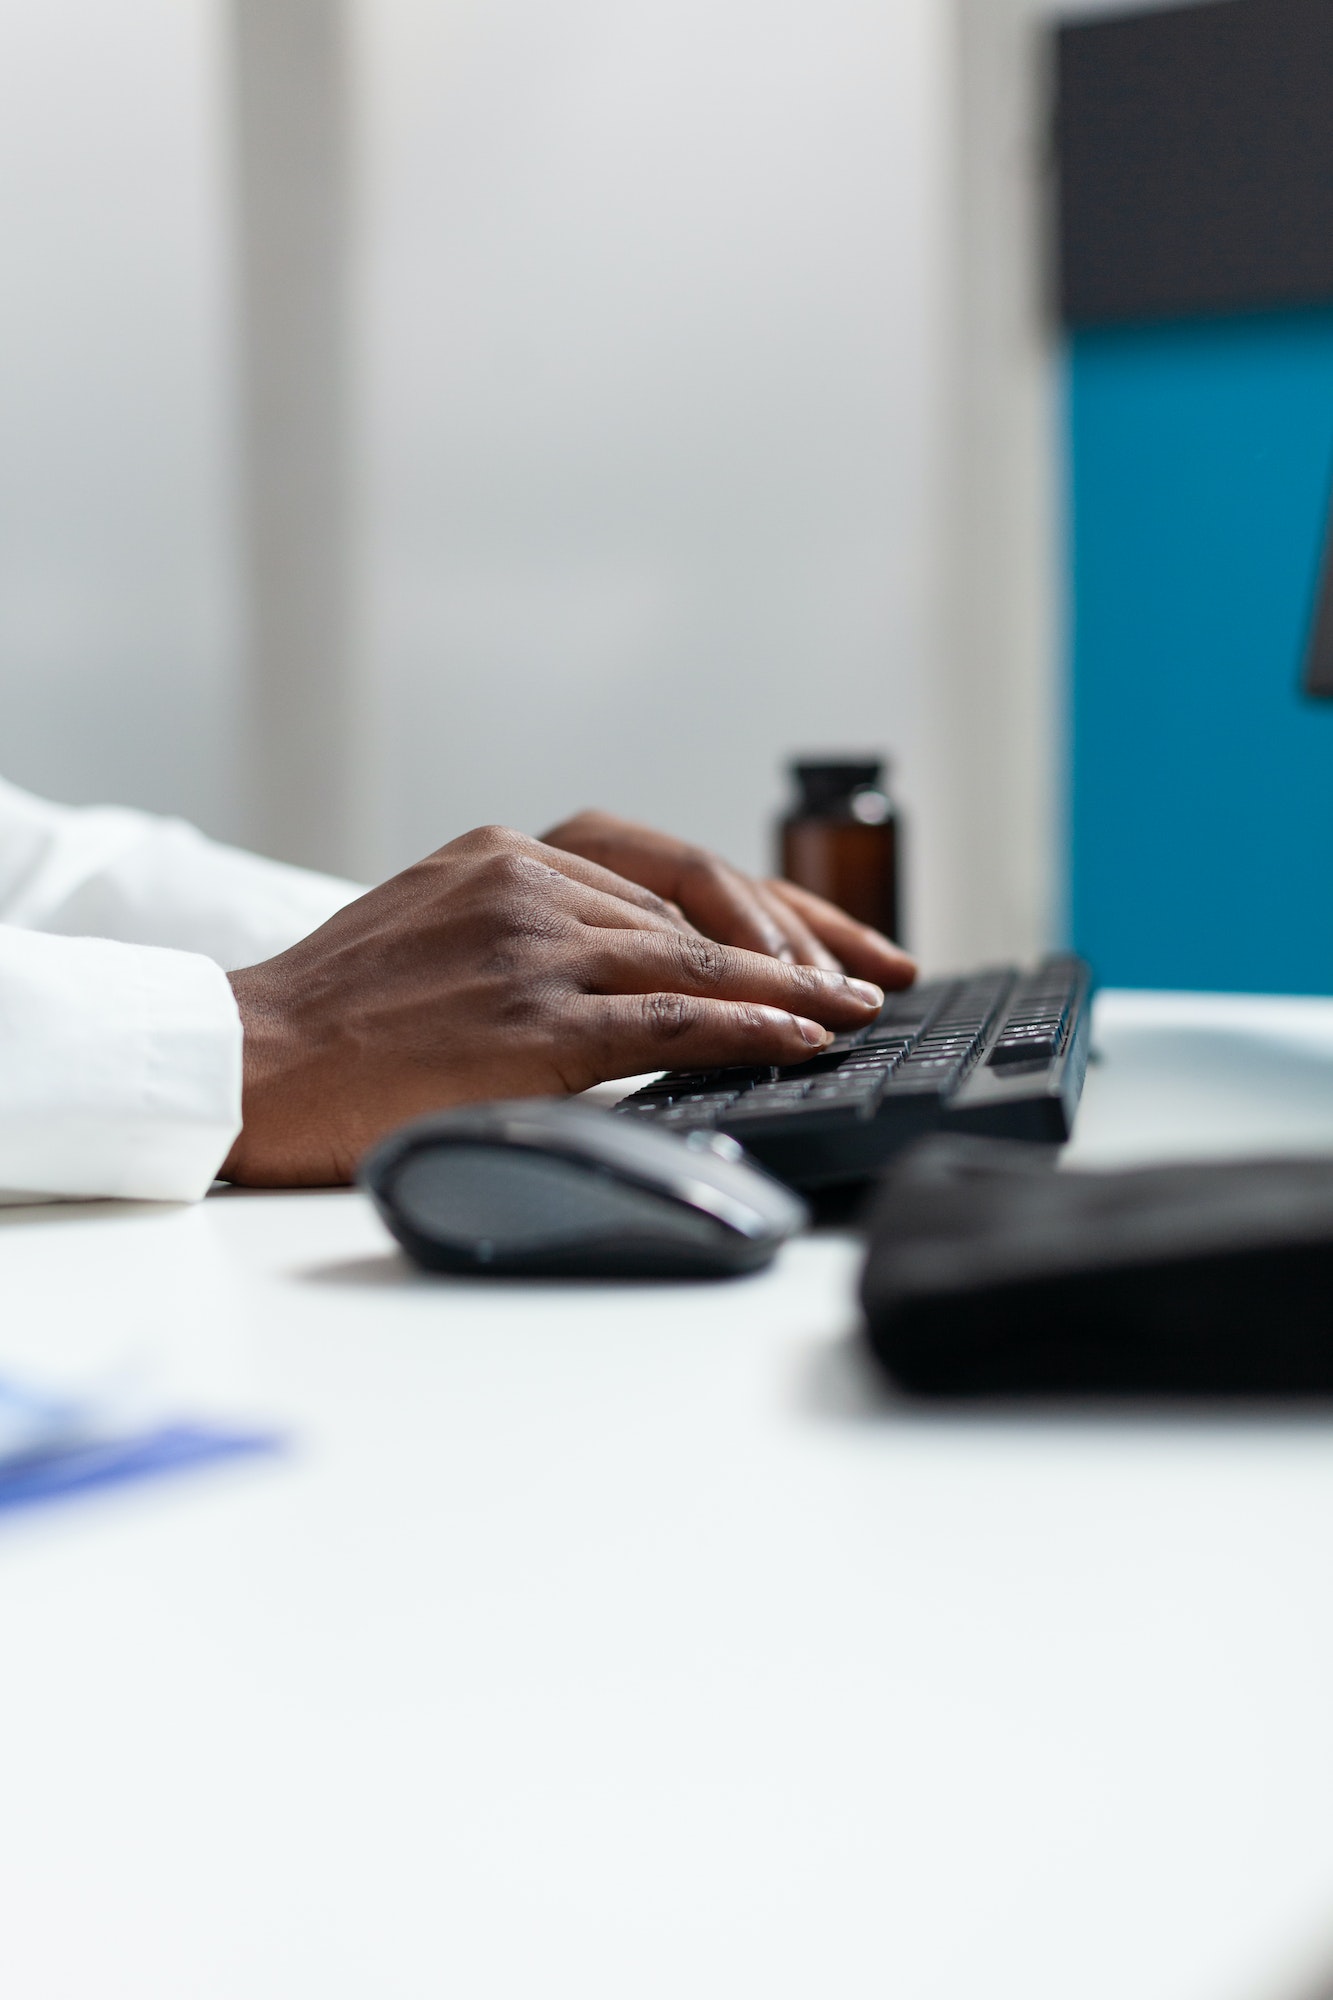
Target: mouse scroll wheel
(718,1143)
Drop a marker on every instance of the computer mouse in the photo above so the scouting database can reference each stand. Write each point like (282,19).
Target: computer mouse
(554,1187)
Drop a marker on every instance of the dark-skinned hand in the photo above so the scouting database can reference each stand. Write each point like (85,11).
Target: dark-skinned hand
(500,967)
(769,916)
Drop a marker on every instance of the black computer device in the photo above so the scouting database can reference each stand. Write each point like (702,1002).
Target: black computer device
(989,1274)
(1001,1052)
(555,1187)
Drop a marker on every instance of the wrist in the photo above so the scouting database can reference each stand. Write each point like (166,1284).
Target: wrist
(264,1035)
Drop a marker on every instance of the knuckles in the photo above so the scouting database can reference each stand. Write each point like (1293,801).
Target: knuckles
(514,867)
(492,839)
(806,984)
(668,1016)
(697,861)
(704,960)
(507,903)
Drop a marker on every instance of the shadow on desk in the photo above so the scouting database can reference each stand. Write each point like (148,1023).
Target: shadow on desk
(392,1270)
(42,1214)
(385,1271)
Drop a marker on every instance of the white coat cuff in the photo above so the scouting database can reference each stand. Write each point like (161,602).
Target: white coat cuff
(120,1069)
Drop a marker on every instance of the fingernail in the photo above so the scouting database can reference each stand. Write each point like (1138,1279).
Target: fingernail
(862,988)
(812,1032)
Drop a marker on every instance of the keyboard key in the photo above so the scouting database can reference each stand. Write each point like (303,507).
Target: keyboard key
(915,1065)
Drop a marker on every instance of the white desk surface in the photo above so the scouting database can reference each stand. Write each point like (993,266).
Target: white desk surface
(631,1641)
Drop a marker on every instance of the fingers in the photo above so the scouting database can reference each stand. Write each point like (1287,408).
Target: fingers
(664,962)
(803,947)
(773,917)
(593,876)
(604,912)
(866,952)
(624,1034)
(728,906)
(714,897)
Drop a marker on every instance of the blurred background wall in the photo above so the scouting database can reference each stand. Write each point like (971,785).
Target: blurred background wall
(693,399)
(648,297)
(119,629)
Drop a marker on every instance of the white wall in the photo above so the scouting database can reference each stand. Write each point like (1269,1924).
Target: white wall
(648,296)
(656,409)
(117,592)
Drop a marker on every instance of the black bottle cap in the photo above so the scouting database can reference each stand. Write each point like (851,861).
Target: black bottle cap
(830,781)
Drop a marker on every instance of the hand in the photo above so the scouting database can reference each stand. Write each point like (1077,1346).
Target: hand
(773,916)
(497,967)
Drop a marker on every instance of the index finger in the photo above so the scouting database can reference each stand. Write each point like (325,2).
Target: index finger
(862,950)
(660,962)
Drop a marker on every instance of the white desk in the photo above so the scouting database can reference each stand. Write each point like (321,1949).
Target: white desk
(628,1643)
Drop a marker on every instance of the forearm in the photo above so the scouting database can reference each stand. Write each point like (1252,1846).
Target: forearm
(104,871)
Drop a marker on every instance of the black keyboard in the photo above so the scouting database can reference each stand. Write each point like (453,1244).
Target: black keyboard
(1001,1052)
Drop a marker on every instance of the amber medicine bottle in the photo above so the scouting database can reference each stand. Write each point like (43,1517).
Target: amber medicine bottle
(841,839)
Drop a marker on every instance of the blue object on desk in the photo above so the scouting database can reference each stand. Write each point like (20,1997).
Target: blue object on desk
(79,1467)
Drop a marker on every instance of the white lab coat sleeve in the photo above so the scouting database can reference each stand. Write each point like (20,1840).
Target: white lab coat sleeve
(120,1069)
(107,872)
(120,1041)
